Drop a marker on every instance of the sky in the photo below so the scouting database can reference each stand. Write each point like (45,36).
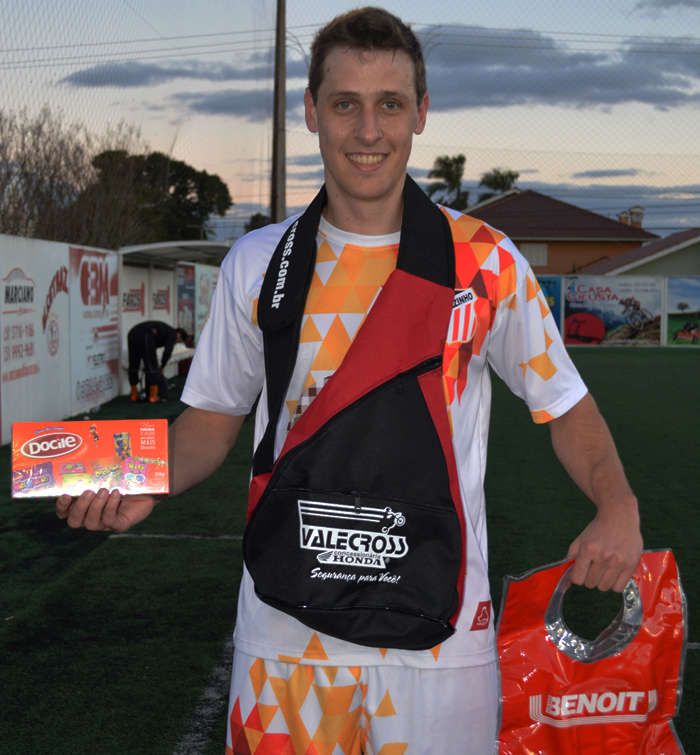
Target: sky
(594,103)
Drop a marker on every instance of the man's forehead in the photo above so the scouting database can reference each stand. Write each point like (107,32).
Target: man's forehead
(343,64)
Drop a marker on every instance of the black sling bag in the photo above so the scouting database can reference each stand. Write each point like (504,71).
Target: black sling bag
(357,529)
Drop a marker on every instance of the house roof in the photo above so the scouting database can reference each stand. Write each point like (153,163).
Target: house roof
(529,215)
(646,253)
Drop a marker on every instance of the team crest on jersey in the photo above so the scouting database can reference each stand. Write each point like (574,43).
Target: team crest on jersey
(482,616)
(464,320)
(349,535)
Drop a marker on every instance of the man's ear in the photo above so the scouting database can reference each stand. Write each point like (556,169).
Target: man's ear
(310,112)
(422,114)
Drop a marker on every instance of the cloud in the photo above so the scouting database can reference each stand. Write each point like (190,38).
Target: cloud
(132,74)
(468,67)
(666,4)
(316,176)
(313,159)
(417,173)
(475,67)
(607,173)
(254,105)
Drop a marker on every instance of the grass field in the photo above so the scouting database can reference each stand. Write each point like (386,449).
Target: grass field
(108,643)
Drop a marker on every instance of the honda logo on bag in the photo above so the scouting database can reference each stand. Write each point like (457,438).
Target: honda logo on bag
(594,708)
(351,535)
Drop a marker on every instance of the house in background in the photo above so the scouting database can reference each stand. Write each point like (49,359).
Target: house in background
(558,238)
(677,254)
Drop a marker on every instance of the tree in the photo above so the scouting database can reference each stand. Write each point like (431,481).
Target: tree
(499,181)
(61,183)
(449,189)
(682,306)
(257,221)
(117,208)
(186,196)
(44,165)
(168,199)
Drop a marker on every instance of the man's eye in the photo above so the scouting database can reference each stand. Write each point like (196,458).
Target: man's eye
(344,105)
(391,105)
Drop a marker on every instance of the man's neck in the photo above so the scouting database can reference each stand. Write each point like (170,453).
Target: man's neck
(376,217)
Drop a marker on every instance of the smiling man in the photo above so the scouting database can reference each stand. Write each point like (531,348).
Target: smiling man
(369,324)
(365,108)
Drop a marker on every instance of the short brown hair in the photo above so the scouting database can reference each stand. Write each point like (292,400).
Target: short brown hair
(366,29)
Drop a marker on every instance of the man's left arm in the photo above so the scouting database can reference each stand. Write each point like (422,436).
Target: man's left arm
(608,550)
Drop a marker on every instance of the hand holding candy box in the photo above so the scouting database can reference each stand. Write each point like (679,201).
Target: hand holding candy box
(72,457)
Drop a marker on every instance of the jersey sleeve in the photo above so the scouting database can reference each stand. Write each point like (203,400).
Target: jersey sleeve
(525,348)
(228,368)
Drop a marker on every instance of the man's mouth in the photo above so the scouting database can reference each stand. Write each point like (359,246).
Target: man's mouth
(366,159)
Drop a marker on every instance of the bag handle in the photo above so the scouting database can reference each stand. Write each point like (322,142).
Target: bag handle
(615,638)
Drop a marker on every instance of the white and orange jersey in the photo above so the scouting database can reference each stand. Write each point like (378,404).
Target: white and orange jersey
(500,318)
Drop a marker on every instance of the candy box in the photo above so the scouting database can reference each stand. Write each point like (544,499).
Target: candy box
(49,459)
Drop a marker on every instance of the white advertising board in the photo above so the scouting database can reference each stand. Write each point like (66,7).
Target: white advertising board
(135,296)
(619,310)
(163,298)
(35,328)
(186,297)
(205,281)
(94,322)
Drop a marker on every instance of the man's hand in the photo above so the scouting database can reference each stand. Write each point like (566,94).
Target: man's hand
(198,441)
(104,511)
(607,551)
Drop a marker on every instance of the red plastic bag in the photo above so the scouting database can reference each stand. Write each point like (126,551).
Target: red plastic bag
(563,695)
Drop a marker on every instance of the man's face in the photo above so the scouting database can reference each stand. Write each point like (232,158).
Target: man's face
(365,115)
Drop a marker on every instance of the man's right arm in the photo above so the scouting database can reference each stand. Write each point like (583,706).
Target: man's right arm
(198,444)
(199,441)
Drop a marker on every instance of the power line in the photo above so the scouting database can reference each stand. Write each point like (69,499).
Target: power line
(133,41)
(669,45)
(124,57)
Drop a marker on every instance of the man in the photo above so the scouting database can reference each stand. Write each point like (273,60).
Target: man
(292,685)
(143,340)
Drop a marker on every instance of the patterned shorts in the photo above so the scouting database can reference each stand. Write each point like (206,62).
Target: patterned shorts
(293,709)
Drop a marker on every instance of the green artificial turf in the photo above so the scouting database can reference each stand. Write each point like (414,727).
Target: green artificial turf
(108,649)
(113,640)
(113,656)
(650,400)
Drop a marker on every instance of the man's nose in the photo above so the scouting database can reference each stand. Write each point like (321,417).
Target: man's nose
(368,128)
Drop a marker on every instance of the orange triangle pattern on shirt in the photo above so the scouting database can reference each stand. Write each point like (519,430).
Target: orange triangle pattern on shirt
(314,650)
(386,707)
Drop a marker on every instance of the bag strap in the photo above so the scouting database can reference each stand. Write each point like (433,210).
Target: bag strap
(426,250)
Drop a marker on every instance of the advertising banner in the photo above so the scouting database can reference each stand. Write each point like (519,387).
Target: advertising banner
(205,281)
(34,323)
(163,295)
(185,297)
(610,310)
(94,322)
(135,295)
(551,288)
(683,311)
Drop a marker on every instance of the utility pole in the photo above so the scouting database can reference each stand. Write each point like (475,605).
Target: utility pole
(278,197)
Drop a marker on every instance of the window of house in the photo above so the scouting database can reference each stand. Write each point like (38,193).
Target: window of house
(535,254)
